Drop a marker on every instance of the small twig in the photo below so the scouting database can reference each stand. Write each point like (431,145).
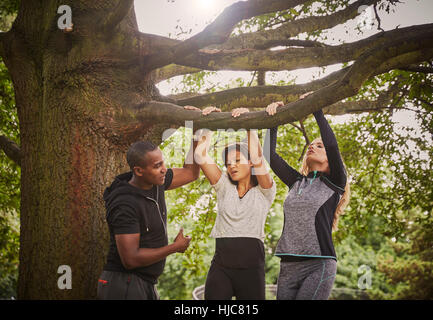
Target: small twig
(307,140)
(378,19)
(425,102)
(297,127)
(303,152)
(252,78)
(304,133)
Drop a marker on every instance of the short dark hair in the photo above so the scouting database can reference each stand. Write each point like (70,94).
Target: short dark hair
(136,155)
(242,148)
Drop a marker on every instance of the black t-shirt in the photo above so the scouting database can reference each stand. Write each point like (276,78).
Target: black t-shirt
(132,210)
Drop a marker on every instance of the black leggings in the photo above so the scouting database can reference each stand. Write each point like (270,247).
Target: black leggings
(245,284)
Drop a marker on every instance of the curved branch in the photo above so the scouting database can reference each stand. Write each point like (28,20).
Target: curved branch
(258,96)
(275,37)
(289,43)
(258,40)
(116,15)
(219,30)
(173,70)
(349,84)
(290,29)
(382,102)
(11,149)
(170,71)
(416,68)
(294,58)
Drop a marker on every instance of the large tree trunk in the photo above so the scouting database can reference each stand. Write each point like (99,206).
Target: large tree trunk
(66,167)
(69,95)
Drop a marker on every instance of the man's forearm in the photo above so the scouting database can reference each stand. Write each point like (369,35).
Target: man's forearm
(144,257)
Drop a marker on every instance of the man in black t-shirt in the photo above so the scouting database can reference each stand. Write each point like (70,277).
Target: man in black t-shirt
(137,221)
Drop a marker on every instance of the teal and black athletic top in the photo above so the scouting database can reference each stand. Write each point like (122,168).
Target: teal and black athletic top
(311,202)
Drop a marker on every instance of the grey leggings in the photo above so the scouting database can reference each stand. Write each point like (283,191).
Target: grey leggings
(310,279)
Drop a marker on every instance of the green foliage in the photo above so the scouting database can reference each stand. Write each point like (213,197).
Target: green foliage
(8,11)
(388,180)
(391,171)
(357,256)
(196,83)
(9,7)
(409,267)
(9,249)
(9,191)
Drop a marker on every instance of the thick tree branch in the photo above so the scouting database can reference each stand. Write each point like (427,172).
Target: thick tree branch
(294,58)
(416,68)
(290,29)
(6,39)
(2,44)
(173,70)
(170,71)
(219,30)
(115,16)
(289,43)
(365,67)
(276,37)
(258,40)
(11,149)
(383,101)
(257,97)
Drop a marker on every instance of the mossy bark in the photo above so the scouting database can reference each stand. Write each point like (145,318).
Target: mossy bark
(71,91)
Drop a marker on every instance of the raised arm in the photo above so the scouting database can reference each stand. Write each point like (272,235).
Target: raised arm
(206,163)
(255,150)
(336,167)
(280,167)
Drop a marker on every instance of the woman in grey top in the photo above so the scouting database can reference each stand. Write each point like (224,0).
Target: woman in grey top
(317,196)
(244,199)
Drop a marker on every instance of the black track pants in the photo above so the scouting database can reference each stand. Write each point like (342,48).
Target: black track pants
(114,285)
